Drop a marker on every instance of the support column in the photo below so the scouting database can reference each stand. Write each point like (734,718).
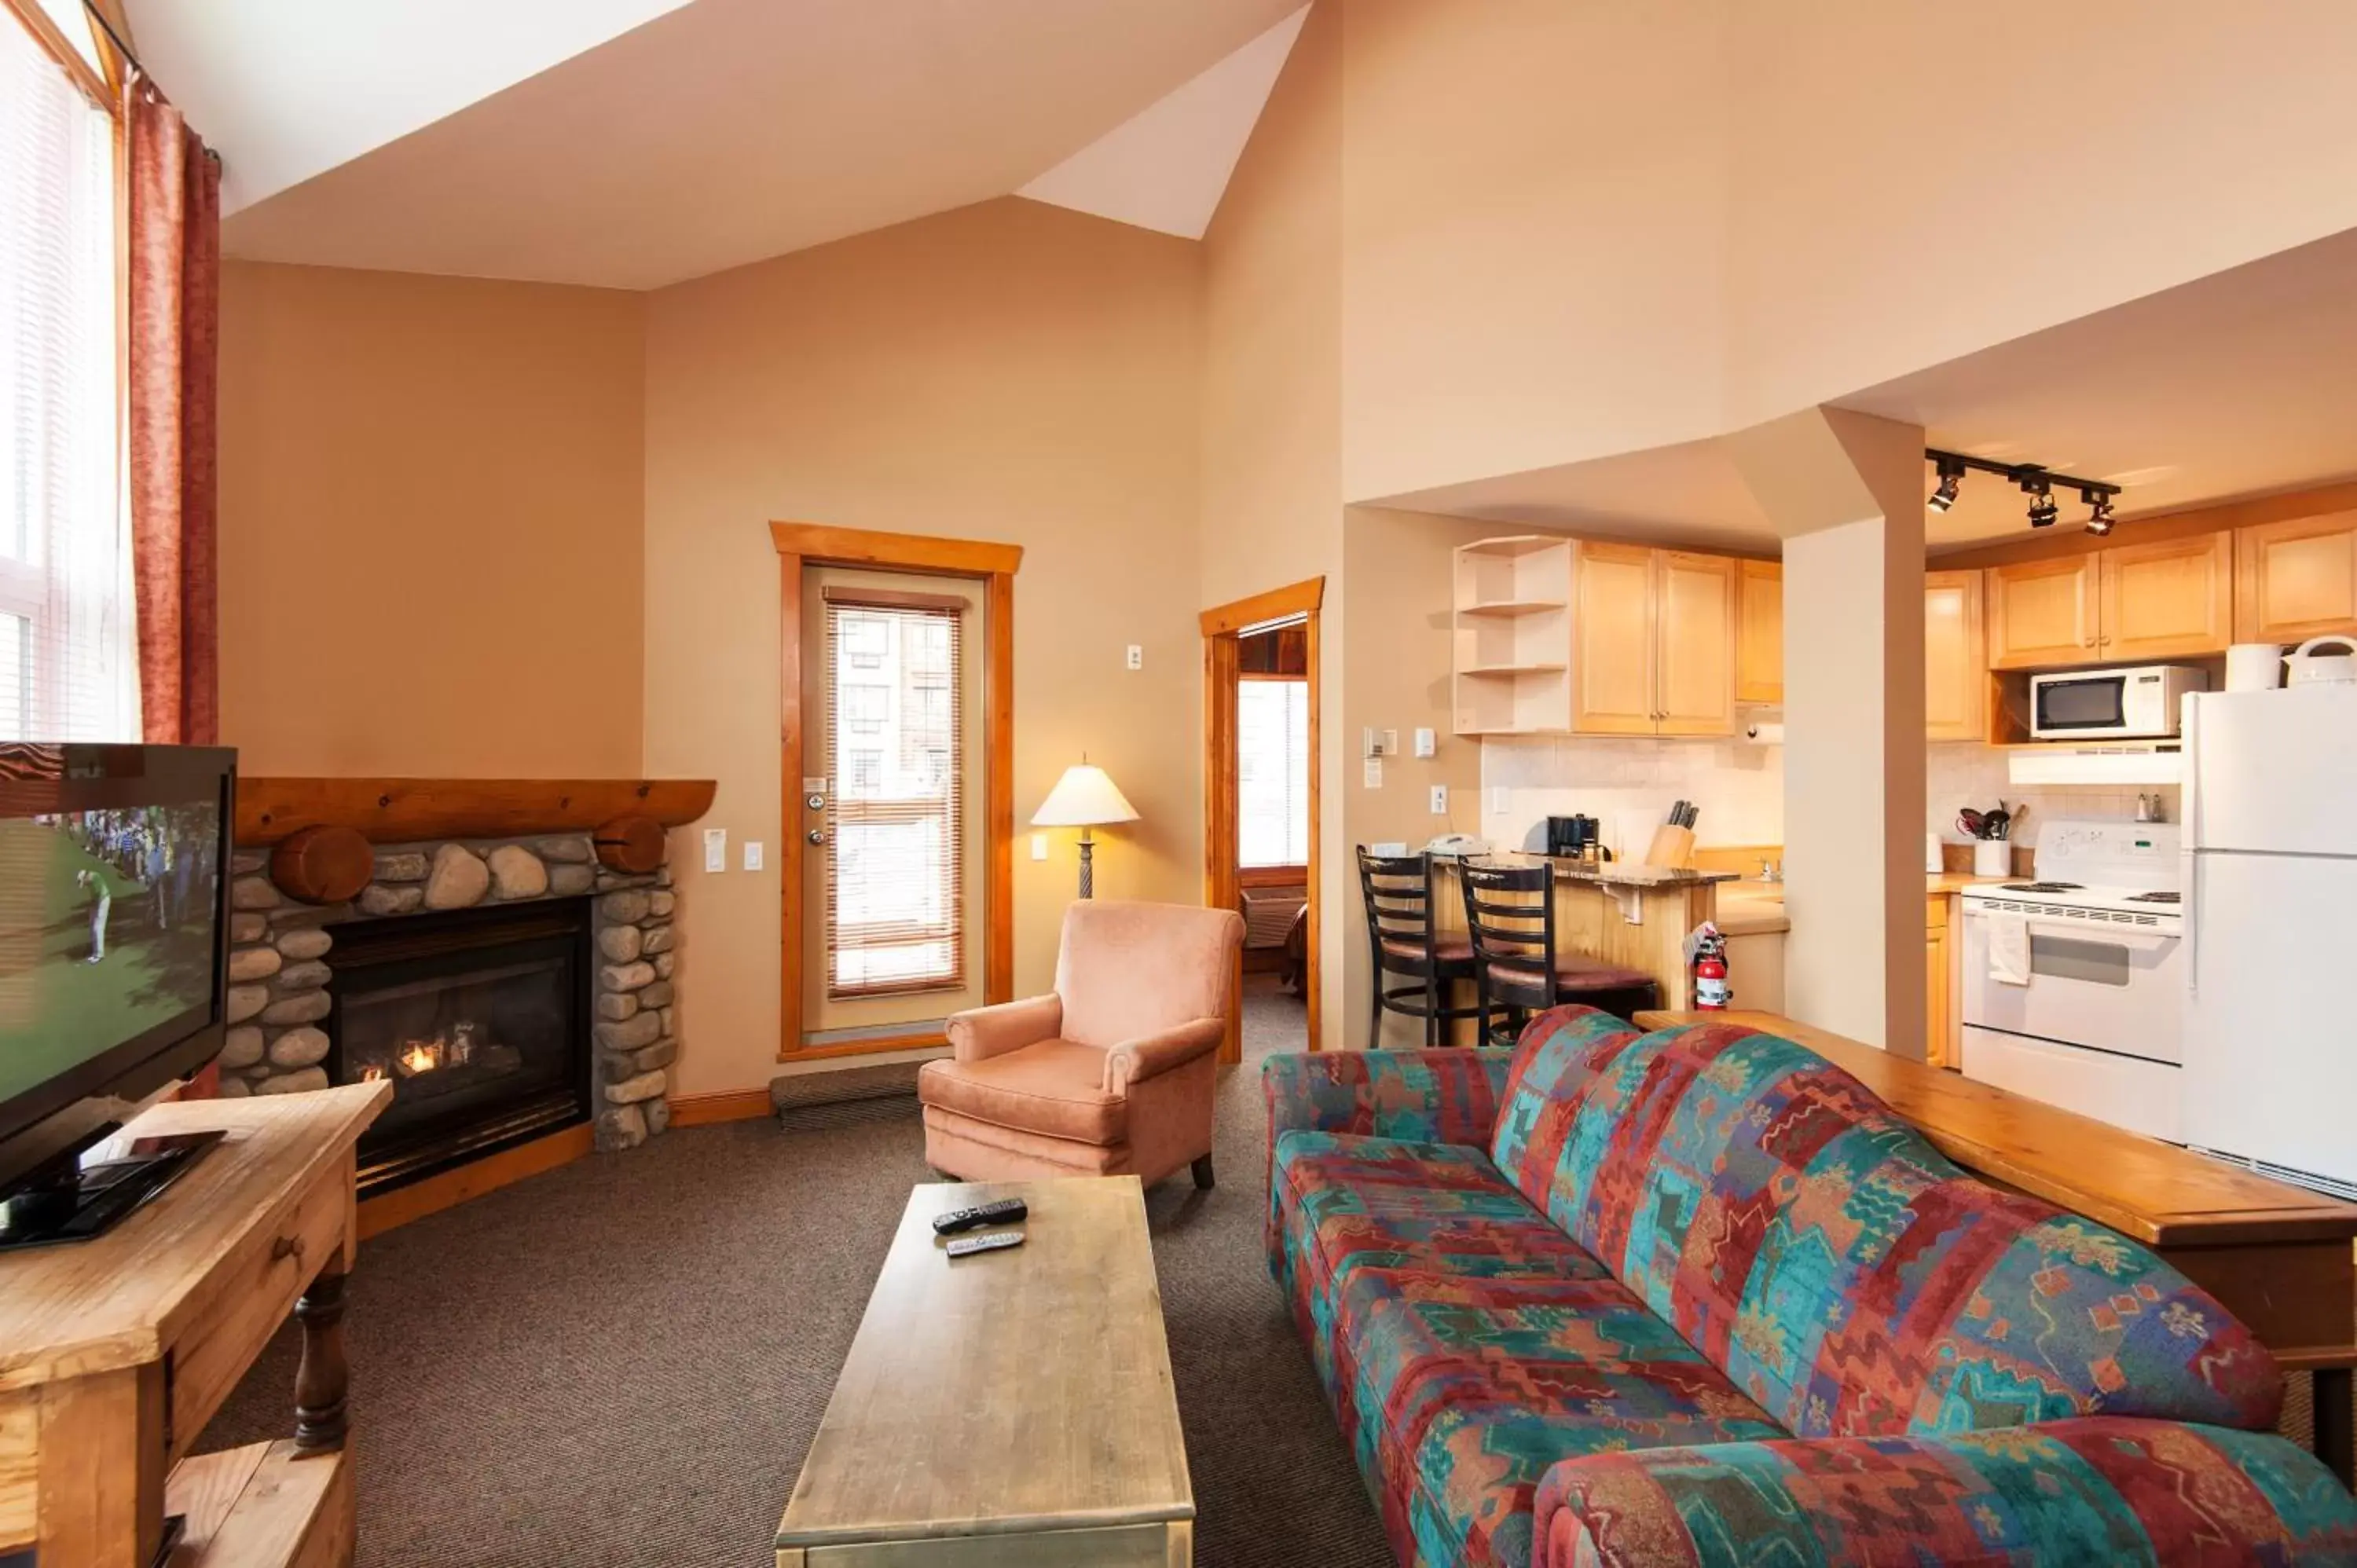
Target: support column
(1846,493)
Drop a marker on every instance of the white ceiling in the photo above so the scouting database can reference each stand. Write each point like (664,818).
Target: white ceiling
(1167,167)
(2237,384)
(719,132)
(292,87)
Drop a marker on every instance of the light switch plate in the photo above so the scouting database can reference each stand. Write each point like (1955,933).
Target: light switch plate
(1498,806)
(752,854)
(1039,846)
(1427,743)
(1136,656)
(716,849)
(1374,773)
(1440,799)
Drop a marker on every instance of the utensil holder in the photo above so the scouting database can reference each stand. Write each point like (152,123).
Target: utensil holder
(1992,857)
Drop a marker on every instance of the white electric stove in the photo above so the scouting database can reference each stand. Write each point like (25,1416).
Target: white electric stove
(2096,1021)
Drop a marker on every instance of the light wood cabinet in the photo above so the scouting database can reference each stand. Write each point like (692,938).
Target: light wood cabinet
(1614,635)
(2042,613)
(1939,992)
(1512,614)
(1759,631)
(2297,580)
(1694,636)
(2173,598)
(1955,658)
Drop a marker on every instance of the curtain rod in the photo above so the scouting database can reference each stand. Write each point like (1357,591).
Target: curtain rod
(115,39)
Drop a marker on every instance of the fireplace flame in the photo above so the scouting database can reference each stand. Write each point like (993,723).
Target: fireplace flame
(421,1055)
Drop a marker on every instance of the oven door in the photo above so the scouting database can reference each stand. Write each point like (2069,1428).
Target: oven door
(2063,707)
(2098,986)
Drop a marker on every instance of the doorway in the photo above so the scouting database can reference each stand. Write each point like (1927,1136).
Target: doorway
(895,854)
(1261,789)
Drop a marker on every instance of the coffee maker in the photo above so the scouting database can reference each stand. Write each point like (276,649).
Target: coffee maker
(1576,838)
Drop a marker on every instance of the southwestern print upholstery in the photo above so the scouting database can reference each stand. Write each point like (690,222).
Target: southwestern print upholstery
(1738,1242)
(2138,1494)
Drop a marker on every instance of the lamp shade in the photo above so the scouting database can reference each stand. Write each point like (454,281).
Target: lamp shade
(1082,797)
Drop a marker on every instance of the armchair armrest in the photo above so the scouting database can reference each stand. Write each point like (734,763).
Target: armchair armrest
(1133,1061)
(2093,1489)
(980,1033)
(1435,1097)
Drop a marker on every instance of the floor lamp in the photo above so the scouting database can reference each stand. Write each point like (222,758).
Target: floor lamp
(1083,798)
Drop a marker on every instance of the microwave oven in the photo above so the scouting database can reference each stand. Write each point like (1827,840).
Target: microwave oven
(2136,703)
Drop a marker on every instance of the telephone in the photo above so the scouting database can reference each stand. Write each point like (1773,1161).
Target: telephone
(1458,845)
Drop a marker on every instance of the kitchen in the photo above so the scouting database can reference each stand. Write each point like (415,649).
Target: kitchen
(1609,679)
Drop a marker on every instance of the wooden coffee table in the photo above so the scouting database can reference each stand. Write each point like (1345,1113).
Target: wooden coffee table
(1007,1407)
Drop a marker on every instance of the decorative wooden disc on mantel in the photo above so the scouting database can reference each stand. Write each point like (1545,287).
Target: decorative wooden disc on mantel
(322,864)
(632,845)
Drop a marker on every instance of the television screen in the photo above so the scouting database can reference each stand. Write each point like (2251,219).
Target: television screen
(111,911)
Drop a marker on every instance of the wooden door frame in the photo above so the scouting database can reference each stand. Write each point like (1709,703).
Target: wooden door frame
(1220,625)
(800,545)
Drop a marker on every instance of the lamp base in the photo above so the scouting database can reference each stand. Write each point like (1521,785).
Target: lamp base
(1088,878)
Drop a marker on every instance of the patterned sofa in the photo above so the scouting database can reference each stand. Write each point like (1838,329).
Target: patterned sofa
(1697,1298)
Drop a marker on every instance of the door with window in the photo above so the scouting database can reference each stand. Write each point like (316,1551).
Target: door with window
(892,805)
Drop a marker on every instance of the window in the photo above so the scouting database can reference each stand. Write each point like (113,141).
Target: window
(1273,772)
(69,669)
(896,858)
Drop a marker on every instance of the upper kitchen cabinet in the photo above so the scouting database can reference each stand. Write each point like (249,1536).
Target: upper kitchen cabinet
(1759,631)
(2042,613)
(2297,580)
(1955,658)
(1695,637)
(1613,641)
(2173,598)
(1513,636)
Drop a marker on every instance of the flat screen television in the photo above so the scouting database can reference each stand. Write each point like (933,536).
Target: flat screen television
(114,958)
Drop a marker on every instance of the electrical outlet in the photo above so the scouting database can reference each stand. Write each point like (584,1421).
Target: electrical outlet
(1039,846)
(752,854)
(1136,657)
(1440,799)
(716,849)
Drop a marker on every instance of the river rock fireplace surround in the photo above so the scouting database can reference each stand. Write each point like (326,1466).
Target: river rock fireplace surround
(510,983)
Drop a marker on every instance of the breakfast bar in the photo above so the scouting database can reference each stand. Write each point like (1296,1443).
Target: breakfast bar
(1621,913)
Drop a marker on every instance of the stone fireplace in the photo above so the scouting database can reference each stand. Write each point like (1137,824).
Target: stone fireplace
(509,986)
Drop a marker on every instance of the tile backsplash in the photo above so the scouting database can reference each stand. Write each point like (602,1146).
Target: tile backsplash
(1628,786)
(1960,774)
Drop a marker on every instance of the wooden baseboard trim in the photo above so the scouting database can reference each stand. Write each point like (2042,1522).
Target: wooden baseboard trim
(930,1040)
(731,1105)
(436,1193)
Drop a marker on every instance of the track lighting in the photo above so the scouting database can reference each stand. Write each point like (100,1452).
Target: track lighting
(1952,477)
(2099,512)
(2042,510)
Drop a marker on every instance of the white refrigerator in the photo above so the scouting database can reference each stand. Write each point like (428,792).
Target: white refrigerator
(2270,889)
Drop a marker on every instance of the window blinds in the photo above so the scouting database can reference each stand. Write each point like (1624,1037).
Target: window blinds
(894,892)
(68,663)
(1273,772)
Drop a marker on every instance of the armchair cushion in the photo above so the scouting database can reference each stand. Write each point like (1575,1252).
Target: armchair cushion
(1050,1086)
(1128,969)
(981,1032)
(2097,1490)
(1134,1060)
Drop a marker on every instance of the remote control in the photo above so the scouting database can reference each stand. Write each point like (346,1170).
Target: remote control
(998,1213)
(990,1242)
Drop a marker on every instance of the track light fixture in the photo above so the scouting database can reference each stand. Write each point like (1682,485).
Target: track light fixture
(2034,478)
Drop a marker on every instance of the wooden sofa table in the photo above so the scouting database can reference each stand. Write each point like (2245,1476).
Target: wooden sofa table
(1009,1407)
(2282,1259)
(114,1352)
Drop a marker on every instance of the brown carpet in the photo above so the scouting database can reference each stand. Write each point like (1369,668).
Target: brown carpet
(623,1361)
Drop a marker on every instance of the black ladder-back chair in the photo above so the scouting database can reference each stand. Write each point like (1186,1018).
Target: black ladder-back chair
(1510,914)
(1403,942)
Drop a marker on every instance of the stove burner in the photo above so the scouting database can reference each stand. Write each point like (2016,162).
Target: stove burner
(2041,887)
(2155,898)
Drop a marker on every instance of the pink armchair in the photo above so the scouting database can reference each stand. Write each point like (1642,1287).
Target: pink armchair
(1112,1073)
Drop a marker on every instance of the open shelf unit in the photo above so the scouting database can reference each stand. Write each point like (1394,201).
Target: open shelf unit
(1511,666)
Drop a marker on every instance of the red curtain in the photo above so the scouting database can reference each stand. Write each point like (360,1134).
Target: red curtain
(175,279)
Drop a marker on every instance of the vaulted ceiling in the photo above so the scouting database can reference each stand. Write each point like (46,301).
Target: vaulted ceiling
(634,142)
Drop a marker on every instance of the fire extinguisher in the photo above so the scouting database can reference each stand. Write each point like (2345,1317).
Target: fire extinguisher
(1711,992)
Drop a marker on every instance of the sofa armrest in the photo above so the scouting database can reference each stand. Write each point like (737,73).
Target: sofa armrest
(1433,1097)
(2093,1489)
(980,1033)
(1133,1061)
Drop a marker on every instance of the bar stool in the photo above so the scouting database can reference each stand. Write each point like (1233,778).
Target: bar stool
(1510,914)
(1403,940)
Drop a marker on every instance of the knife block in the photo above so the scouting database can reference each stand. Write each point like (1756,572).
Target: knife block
(1672,847)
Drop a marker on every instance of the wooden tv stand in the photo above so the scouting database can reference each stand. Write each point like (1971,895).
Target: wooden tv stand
(115,1352)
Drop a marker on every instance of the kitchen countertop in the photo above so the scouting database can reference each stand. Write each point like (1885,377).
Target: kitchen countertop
(1749,908)
(1957,881)
(1617,872)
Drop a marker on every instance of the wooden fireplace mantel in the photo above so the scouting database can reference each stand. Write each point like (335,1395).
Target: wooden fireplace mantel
(408,810)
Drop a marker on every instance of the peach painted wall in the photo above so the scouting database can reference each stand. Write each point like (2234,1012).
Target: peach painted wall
(430,504)
(1532,217)
(1271,409)
(1007,372)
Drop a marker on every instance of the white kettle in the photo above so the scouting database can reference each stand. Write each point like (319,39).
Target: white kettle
(2305,664)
